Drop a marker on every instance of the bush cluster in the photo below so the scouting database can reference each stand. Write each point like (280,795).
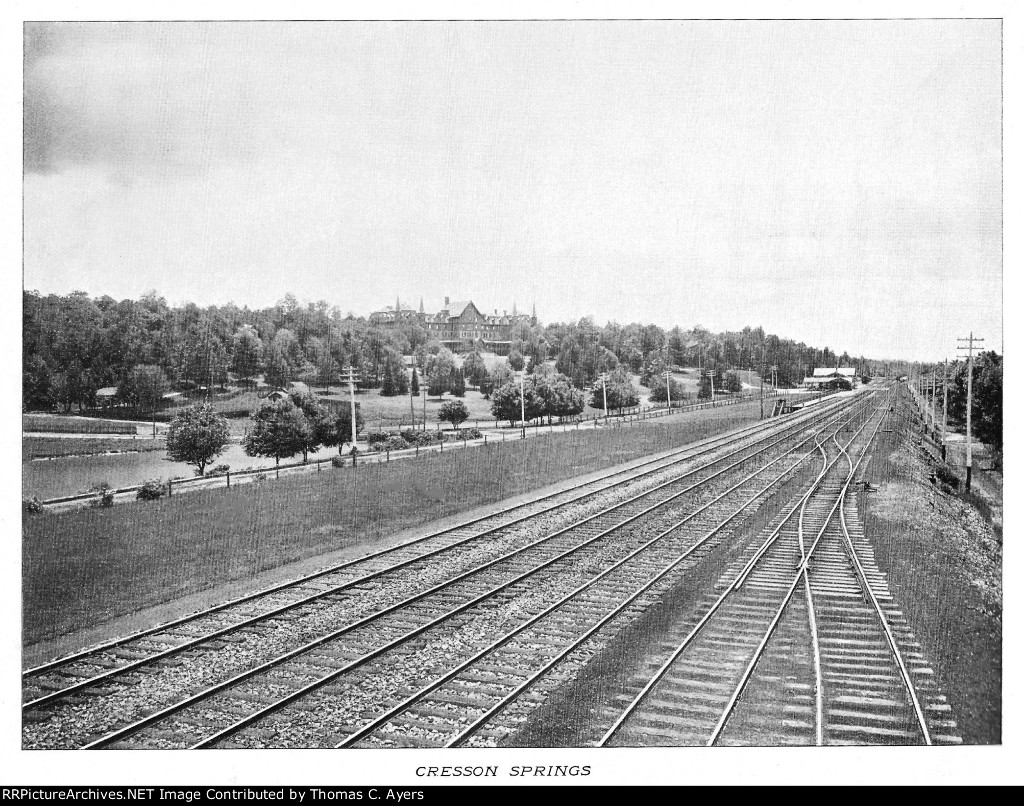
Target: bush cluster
(104,495)
(947,477)
(421,437)
(410,439)
(151,490)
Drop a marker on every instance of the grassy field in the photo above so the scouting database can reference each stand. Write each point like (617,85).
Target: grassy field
(45,447)
(942,553)
(73,425)
(83,567)
(380,413)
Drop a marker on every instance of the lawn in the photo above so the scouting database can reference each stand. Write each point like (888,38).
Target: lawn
(391,413)
(73,425)
(84,567)
(45,447)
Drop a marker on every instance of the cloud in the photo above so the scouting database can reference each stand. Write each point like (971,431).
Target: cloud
(738,169)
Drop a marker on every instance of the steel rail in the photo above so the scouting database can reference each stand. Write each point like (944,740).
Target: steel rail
(241,677)
(272,613)
(740,578)
(819,703)
(694,451)
(748,672)
(512,696)
(401,639)
(890,638)
(356,663)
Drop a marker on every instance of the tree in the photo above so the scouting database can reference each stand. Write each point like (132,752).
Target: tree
(246,353)
(987,408)
(341,432)
(474,369)
(279,429)
(36,382)
(505,403)
(439,371)
(415,388)
(704,392)
(620,390)
(654,364)
(320,426)
(732,382)
(501,374)
(454,412)
(278,371)
(143,387)
(516,360)
(393,380)
(558,397)
(659,394)
(458,384)
(987,413)
(197,436)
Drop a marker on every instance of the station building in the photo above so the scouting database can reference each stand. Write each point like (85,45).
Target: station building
(459,324)
(832,378)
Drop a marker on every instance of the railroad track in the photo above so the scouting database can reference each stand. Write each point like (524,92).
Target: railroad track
(803,645)
(207,624)
(129,693)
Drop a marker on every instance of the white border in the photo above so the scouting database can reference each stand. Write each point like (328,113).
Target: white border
(643,767)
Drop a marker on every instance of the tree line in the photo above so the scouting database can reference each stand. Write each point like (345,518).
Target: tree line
(75,345)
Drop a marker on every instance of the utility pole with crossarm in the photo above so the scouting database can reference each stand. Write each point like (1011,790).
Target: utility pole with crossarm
(971,341)
(350,375)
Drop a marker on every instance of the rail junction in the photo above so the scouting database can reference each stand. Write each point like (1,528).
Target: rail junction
(461,636)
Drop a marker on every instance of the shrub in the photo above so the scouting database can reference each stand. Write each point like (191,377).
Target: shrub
(454,412)
(395,443)
(421,437)
(219,470)
(471,433)
(947,477)
(33,506)
(376,436)
(151,490)
(338,461)
(104,495)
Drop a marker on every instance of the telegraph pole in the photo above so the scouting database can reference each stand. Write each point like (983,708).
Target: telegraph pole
(761,387)
(522,397)
(945,375)
(349,375)
(604,389)
(971,341)
(412,400)
(668,387)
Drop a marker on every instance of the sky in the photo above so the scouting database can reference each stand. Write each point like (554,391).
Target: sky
(836,182)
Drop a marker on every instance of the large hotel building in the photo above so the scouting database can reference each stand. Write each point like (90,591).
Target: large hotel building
(459,324)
